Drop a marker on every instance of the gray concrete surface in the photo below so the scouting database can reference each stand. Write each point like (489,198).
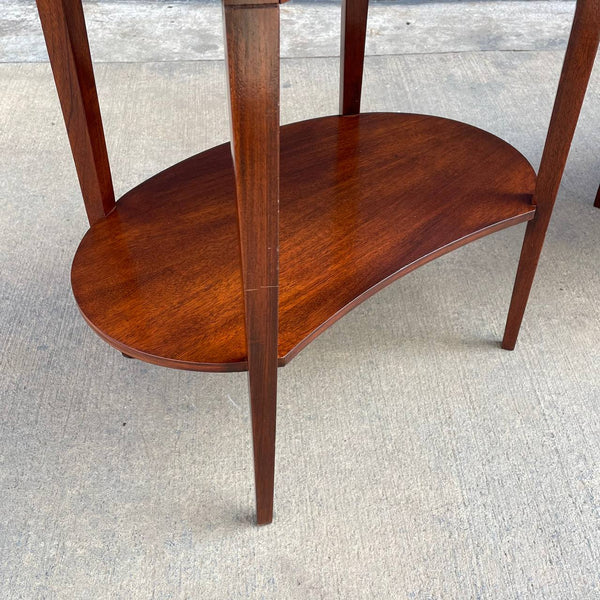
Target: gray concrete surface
(156,31)
(416,460)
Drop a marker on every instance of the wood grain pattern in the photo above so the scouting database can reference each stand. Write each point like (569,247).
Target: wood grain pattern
(252,41)
(66,39)
(352,54)
(577,67)
(363,200)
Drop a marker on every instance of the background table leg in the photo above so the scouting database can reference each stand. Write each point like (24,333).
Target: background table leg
(352,54)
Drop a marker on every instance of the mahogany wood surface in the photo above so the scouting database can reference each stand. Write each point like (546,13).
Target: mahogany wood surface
(252,42)
(352,54)
(363,200)
(597,201)
(64,30)
(577,67)
(248,3)
(183,270)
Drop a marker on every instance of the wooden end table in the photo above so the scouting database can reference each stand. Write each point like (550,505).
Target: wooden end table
(238,257)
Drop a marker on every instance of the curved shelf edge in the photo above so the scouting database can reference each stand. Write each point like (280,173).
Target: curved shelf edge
(171,363)
(284,360)
(234,367)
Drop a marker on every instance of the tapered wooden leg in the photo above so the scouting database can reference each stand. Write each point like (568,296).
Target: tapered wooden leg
(578,63)
(66,39)
(597,202)
(352,54)
(252,38)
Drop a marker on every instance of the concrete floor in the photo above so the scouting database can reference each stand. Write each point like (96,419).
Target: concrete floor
(128,31)
(416,460)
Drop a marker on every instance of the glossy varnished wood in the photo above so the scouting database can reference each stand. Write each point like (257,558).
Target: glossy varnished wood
(577,67)
(66,40)
(182,272)
(252,42)
(363,200)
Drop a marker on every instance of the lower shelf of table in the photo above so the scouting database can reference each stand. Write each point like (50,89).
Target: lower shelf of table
(363,200)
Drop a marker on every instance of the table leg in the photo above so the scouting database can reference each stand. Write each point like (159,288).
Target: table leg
(577,67)
(352,54)
(64,29)
(252,40)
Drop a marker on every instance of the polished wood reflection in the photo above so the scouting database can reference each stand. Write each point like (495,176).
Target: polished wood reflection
(364,199)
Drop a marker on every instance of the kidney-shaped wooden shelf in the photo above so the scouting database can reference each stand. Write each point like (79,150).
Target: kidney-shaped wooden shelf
(364,199)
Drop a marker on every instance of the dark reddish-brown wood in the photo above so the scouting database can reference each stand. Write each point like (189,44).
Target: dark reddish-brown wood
(364,199)
(577,67)
(183,270)
(597,201)
(252,41)
(66,39)
(249,3)
(352,54)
